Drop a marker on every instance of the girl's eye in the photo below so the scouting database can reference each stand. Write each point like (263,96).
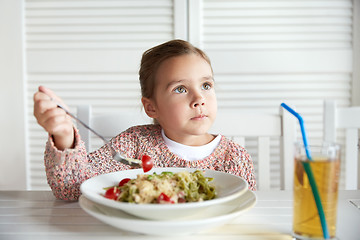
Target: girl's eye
(180,89)
(206,86)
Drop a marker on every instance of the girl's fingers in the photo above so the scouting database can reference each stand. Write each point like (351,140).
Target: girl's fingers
(48,92)
(42,103)
(53,119)
(56,122)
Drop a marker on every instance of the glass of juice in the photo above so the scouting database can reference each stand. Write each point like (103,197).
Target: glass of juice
(325,166)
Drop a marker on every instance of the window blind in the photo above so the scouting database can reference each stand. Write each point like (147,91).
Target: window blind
(268,52)
(88,52)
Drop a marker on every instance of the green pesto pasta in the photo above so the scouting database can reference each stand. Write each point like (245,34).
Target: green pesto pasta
(168,187)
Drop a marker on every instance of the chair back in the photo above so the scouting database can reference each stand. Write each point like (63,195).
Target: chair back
(263,127)
(108,125)
(347,118)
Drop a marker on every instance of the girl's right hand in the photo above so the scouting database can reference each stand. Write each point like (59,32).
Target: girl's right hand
(53,119)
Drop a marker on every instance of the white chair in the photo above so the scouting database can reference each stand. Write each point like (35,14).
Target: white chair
(108,125)
(349,119)
(239,126)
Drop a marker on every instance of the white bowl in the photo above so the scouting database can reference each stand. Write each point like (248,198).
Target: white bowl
(210,219)
(228,187)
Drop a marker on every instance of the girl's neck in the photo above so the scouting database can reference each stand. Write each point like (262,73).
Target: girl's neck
(191,153)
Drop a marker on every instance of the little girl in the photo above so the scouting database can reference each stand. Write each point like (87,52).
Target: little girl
(178,92)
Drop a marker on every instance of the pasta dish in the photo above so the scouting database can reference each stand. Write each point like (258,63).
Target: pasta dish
(166,187)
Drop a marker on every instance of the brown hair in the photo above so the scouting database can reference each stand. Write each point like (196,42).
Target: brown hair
(152,58)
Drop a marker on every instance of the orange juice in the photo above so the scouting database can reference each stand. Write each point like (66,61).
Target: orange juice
(306,221)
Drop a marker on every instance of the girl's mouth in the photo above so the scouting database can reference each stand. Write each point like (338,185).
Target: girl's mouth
(199,117)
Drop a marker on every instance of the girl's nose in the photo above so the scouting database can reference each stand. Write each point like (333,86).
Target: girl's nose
(199,100)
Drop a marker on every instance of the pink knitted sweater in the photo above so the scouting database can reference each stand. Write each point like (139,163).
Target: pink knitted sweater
(67,169)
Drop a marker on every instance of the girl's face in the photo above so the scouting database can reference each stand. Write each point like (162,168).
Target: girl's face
(184,100)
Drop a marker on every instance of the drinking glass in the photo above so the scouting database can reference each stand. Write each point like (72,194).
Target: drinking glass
(325,166)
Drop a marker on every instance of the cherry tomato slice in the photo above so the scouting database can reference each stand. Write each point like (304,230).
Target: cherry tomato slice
(163,198)
(124,181)
(147,163)
(112,193)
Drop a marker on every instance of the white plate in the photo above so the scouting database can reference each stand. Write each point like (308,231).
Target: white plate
(227,186)
(207,220)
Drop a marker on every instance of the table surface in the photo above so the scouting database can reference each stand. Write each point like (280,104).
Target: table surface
(38,215)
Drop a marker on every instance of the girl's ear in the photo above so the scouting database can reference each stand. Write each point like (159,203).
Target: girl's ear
(149,107)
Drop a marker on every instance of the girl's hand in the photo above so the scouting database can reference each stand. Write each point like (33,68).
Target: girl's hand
(53,119)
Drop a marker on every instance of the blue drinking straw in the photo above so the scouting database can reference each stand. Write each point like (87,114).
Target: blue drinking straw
(309,173)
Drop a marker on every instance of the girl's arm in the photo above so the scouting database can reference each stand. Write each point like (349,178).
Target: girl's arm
(67,163)
(67,169)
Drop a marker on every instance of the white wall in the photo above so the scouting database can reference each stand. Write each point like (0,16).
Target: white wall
(12,120)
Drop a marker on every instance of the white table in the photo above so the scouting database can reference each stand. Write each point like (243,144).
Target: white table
(38,215)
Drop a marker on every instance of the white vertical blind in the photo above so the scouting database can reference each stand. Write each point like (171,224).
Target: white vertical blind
(89,52)
(268,52)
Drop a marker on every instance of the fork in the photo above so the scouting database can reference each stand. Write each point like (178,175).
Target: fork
(116,155)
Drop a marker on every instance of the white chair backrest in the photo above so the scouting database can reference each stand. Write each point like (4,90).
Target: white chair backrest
(108,125)
(349,119)
(239,126)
